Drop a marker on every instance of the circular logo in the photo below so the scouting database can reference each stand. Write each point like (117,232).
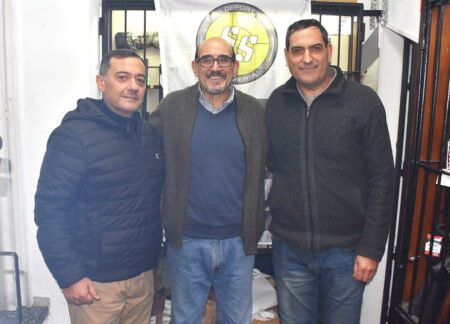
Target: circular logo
(249,31)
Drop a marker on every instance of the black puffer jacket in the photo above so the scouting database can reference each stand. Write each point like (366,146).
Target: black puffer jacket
(98,197)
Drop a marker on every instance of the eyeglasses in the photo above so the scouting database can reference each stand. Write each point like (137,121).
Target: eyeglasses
(208,61)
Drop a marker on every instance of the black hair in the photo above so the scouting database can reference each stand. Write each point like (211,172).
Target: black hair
(303,24)
(117,53)
(233,53)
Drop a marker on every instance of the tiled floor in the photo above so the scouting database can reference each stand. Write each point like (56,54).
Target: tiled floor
(31,315)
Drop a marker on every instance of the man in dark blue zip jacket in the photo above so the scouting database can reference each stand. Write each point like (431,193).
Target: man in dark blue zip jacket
(332,190)
(98,200)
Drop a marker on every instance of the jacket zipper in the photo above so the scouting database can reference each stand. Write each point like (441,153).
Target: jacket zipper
(308,183)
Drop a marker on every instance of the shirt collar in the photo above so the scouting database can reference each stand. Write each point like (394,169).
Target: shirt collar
(208,106)
(310,99)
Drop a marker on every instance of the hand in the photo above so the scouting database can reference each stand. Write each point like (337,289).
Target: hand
(81,292)
(364,268)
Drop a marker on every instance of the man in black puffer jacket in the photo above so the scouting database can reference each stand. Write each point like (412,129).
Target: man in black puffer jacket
(98,200)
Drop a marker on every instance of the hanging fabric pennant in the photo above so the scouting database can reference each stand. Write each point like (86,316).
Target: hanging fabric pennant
(256,31)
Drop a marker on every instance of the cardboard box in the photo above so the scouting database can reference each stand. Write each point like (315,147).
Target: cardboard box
(348,1)
(272,321)
(158,307)
(210,315)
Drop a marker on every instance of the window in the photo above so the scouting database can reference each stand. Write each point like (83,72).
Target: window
(134,25)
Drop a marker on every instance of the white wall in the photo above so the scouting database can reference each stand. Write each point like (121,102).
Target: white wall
(404,18)
(54,55)
(389,87)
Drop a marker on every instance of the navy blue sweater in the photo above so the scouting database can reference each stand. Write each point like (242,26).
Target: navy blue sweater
(216,178)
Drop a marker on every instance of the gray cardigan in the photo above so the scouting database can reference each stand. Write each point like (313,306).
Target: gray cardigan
(174,118)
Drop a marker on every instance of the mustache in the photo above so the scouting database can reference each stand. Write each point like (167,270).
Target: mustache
(308,66)
(217,74)
(132,94)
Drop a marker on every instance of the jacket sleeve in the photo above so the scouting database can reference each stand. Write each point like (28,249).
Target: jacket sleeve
(270,158)
(59,188)
(156,117)
(378,158)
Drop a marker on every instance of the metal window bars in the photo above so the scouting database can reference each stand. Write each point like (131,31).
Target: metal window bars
(421,258)
(17,283)
(354,12)
(144,42)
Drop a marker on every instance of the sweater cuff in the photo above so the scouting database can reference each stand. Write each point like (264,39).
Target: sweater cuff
(369,252)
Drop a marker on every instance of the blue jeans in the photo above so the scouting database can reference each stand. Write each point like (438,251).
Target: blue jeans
(202,264)
(313,287)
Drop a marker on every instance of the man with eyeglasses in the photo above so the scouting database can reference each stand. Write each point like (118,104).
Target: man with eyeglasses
(332,192)
(214,140)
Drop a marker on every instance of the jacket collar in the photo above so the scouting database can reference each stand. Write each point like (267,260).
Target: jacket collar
(191,105)
(335,88)
(194,95)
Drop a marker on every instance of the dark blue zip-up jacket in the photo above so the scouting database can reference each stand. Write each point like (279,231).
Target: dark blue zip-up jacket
(98,197)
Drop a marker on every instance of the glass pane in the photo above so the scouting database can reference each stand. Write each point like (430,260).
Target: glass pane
(128,32)
(341,38)
(133,38)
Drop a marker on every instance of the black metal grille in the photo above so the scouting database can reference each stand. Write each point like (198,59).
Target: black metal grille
(144,42)
(354,12)
(420,282)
